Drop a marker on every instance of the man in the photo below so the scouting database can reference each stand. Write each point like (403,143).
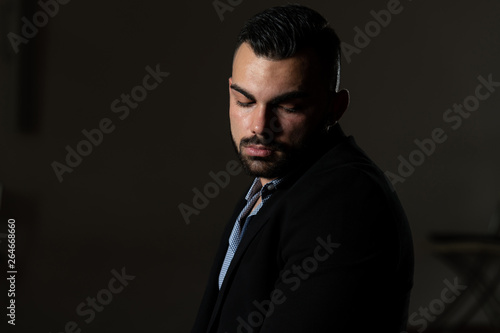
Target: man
(319,243)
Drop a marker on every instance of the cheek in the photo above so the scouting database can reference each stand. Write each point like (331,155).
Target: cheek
(312,124)
(294,130)
(236,123)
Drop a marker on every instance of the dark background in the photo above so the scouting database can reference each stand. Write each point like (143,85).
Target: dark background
(119,207)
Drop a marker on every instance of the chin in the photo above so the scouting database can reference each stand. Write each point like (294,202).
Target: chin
(262,169)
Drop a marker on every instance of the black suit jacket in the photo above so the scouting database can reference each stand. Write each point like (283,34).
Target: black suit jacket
(330,251)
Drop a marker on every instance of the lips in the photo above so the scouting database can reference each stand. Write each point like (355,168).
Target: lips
(258,151)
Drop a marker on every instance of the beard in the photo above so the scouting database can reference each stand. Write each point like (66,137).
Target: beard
(284,157)
(273,166)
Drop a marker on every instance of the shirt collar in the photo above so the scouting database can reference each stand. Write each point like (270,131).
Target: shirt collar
(265,191)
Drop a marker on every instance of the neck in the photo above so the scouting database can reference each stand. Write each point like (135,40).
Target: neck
(264,181)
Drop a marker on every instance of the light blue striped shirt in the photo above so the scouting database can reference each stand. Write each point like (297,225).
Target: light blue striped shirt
(254,193)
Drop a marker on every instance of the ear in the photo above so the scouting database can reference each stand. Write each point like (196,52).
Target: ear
(339,105)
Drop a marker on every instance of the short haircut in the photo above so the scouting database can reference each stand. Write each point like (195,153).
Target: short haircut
(281,32)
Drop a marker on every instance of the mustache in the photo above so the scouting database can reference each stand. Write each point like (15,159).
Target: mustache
(255,140)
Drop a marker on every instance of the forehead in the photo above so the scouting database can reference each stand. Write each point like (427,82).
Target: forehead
(256,73)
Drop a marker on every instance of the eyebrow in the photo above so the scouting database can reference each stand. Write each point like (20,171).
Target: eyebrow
(276,100)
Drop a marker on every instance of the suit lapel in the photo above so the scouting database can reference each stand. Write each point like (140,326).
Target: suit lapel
(255,225)
(212,295)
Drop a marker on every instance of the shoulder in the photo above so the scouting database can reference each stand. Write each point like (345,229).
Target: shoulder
(343,195)
(340,173)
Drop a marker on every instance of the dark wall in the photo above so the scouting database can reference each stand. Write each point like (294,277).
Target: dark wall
(118,208)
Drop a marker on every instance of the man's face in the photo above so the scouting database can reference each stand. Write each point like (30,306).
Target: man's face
(276,109)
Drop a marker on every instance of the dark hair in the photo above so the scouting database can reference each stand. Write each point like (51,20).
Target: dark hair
(280,32)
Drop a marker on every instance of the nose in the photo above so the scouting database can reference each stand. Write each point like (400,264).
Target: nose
(260,119)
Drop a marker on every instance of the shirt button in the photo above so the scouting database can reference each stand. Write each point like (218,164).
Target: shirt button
(270,187)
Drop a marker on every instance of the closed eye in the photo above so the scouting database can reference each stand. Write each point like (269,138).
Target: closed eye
(245,105)
(289,110)
(284,108)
